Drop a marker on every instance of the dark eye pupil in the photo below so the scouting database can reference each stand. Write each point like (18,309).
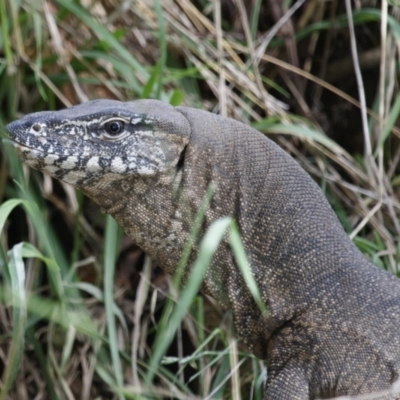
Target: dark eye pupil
(114,127)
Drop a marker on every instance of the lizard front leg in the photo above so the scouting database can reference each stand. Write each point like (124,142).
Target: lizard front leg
(289,383)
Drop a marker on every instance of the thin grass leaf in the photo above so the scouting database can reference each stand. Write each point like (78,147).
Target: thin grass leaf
(47,240)
(162,47)
(391,120)
(30,251)
(103,34)
(105,375)
(371,14)
(272,84)
(95,292)
(68,347)
(148,87)
(37,24)
(176,98)
(210,337)
(244,266)
(124,71)
(42,363)
(5,36)
(362,16)
(217,356)
(193,235)
(208,247)
(5,210)
(110,255)
(18,295)
(57,312)
(219,383)
(298,131)
(259,383)
(90,289)
(255,15)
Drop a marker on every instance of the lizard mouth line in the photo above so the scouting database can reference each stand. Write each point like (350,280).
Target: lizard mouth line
(20,145)
(17,144)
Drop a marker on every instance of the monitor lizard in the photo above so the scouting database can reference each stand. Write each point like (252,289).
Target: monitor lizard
(333,326)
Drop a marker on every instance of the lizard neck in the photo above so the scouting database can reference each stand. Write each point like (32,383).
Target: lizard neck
(146,209)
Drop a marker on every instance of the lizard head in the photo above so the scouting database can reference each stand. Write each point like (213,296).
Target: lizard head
(102,139)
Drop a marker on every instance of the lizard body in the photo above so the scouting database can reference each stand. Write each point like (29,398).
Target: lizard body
(333,326)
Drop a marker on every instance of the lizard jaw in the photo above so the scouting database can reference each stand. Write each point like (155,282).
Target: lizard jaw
(22,149)
(47,163)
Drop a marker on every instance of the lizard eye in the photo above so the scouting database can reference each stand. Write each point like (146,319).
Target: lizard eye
(114,127)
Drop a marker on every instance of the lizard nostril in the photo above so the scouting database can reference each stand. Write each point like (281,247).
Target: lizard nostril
(36,127)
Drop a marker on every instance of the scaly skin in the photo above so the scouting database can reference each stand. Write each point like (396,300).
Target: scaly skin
(333,326)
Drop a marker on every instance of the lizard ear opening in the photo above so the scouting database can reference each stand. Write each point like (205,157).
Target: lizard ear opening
(181,160)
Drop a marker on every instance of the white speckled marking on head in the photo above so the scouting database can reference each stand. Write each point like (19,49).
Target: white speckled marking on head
(70,162)
(118,165)
(51,158)
(93,164)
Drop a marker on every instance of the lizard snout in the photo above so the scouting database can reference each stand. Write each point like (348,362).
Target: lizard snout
(23,128)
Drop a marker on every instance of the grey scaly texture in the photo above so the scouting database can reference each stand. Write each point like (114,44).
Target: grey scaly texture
(333,326)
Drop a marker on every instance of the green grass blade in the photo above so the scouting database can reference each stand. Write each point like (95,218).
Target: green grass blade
(255,15)
(103,34)
(219,383)
(176,98)
(44,365)
(37,24)
(299,131)
(57,313)
(5,36)
(46,239)
(193,235)
(162,46)
(111,244)
(148,87)
(17,274)
(208,247)
(30,251)
(244,265)
(361,16)
(5,210)
(391,120)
